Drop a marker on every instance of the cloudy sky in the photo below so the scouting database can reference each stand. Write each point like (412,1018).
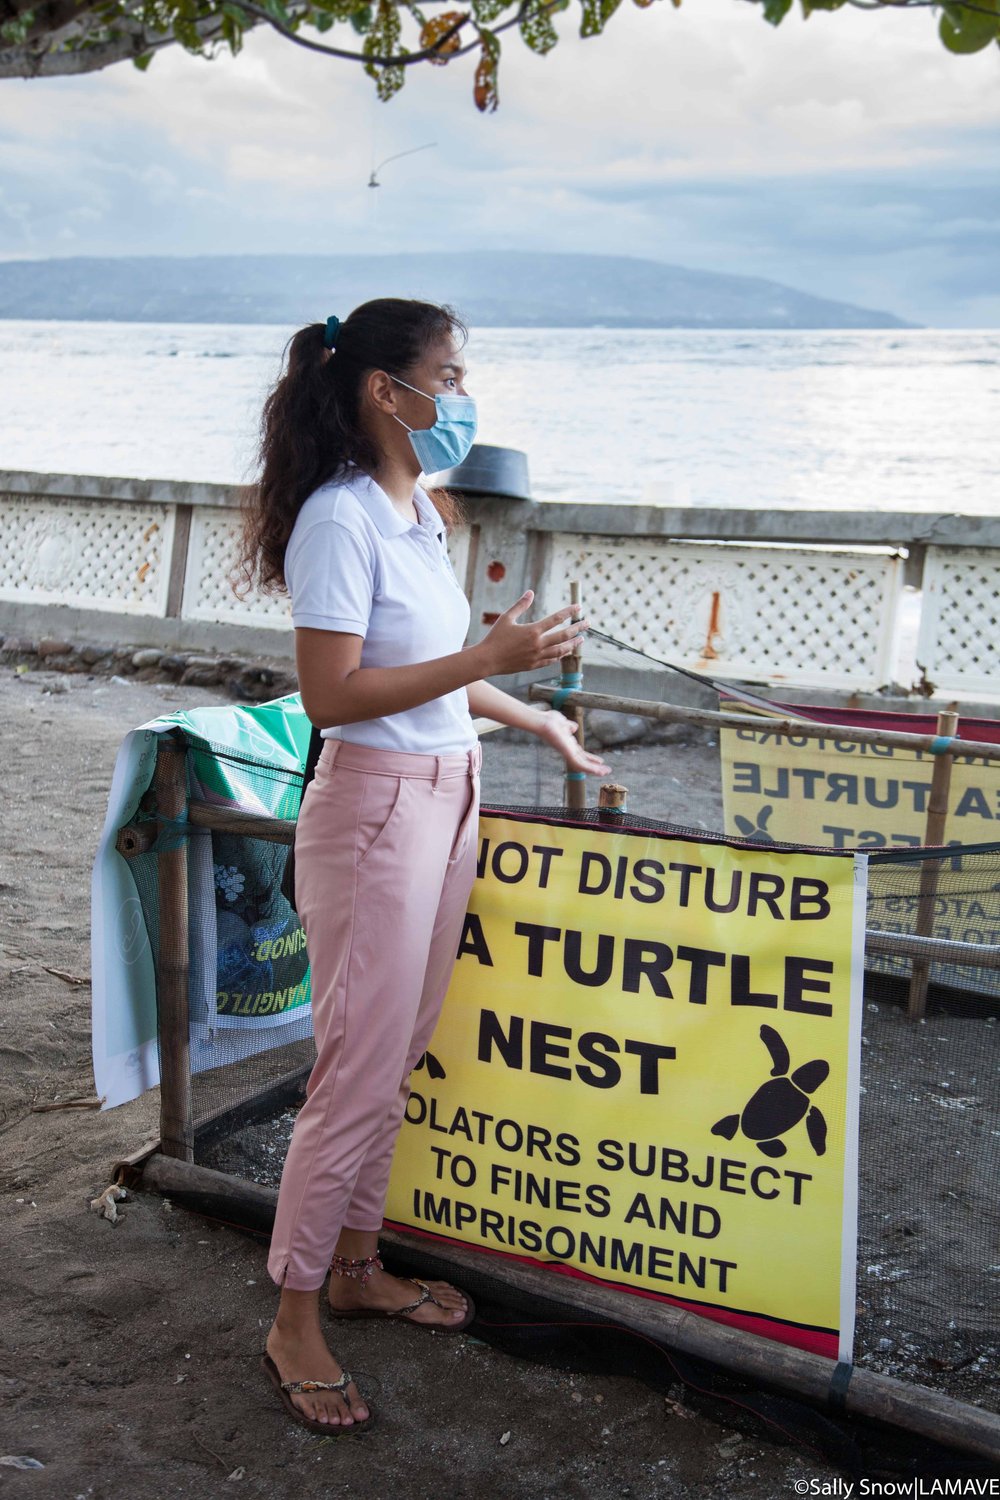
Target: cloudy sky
(849,155)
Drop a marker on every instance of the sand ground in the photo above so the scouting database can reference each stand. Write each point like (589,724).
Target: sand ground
(130,1352)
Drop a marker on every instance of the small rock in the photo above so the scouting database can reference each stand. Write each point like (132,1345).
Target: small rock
(147,658)
(200,677)
(50,646)
(237,1473)
(93,654)
(19,645)
(610,729)
(105,1204)
(122,681)
(577,1397)
(175,665)
(504,1439)
(19,1461)
(662,732)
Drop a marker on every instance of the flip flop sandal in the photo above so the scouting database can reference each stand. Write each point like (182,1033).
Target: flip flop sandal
(426,1295)
(287,1388)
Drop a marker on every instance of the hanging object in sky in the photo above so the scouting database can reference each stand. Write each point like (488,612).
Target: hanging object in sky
(373,181)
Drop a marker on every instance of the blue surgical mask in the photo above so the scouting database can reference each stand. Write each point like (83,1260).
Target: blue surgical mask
(447,443)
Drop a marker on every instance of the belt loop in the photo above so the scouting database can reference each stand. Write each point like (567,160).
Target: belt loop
(438,767)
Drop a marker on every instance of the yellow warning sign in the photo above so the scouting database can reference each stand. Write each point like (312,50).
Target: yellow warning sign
(832,792)
(646,1072)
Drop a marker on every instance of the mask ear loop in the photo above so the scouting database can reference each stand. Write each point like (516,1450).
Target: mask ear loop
(410,387)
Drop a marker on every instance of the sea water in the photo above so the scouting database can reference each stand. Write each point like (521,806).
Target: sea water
(887,420)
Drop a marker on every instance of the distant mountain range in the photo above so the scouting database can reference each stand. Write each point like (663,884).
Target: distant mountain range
(516,289)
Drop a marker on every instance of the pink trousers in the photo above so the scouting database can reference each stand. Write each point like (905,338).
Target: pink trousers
(385,859)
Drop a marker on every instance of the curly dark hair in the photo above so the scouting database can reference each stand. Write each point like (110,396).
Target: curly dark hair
(311,429)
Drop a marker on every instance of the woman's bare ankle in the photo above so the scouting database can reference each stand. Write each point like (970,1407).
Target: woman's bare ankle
(297,1314)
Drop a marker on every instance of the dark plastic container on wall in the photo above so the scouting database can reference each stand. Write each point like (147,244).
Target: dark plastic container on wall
(489,471)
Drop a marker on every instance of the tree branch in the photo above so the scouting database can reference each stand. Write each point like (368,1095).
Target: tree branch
(398,59)
(55,59)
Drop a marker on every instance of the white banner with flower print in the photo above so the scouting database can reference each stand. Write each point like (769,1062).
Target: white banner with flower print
(248,965)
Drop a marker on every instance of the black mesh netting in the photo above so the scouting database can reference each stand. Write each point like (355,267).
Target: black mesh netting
(929,1148)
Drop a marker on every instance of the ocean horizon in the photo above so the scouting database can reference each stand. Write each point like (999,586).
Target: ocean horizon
(893,419)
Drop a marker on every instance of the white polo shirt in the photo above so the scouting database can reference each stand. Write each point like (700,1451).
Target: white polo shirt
(353,563)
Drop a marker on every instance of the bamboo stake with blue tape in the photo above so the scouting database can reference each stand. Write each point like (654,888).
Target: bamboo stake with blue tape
(934,835)
(170,781)
(571,680)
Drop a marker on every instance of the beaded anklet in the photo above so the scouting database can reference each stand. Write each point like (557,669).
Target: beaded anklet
(358,1270)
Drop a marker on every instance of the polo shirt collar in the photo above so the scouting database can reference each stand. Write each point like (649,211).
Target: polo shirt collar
(428,511)
(378,505)
(385,515)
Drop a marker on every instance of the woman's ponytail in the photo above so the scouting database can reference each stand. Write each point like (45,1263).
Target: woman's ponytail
(311,428)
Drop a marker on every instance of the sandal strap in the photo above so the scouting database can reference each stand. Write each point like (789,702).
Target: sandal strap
(426,1295)
(306,1387)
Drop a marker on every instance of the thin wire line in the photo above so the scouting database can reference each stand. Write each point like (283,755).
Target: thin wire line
(739,694)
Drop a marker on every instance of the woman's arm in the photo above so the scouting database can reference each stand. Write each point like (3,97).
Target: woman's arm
(336,689)
(552,727)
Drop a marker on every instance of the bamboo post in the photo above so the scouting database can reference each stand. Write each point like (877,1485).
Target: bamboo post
(172,965)
(937,817)
(612,799)
(572,678)
(809,729)
(133,840)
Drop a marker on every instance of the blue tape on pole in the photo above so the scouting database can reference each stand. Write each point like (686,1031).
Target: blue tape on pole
(942,743)
(576,775)
(569,682)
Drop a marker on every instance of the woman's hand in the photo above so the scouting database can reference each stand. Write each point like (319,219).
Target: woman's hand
(560,732)
(511,647)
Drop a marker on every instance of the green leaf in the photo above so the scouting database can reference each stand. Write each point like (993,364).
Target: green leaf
(485,91)
(13,33)
(277,10)
(963,30)
(596,14)
(485,11)
(775,11)
(537,30)
(361,20)
(143,62)
(383,40)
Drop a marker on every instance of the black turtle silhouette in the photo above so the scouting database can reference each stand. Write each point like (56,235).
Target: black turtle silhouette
(780,1103)
(756,833)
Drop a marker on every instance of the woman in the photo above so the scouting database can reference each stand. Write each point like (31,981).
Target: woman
(386,843)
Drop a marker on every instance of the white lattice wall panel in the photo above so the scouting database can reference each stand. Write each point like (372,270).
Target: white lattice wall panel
(773,614)
(959,641)
(100,554)
(211,557)
(208,594)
